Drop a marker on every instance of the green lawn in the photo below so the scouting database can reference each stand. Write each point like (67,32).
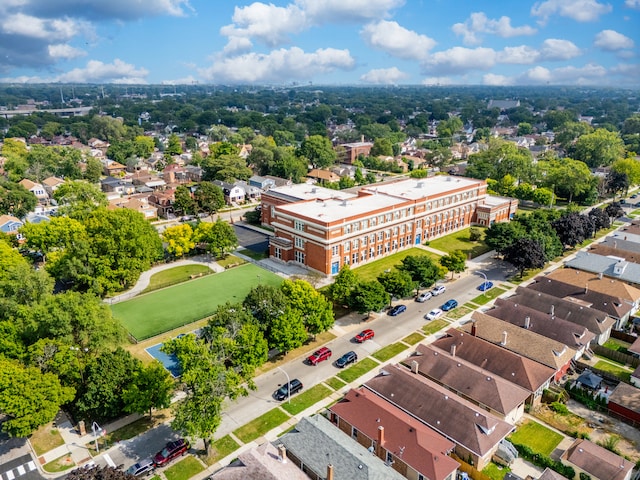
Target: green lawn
(495,472)
(184,469)
(617,345)
(619,371)
(537,437)
(230,261)
(161,311)
(489,295)
(372,270)
(306,399)
(435,326)
(413,338)
(173,276)
(261,425)
(356,371)
(460,241)
(459,312)
(389,351)
(335,383)
(222,447)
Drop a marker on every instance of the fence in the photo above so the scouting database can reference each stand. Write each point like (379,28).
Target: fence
(470,470)
(616,356)
(625,337)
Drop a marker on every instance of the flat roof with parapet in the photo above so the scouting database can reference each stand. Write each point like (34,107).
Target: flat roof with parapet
(307,191)
(334,209)
(415,189)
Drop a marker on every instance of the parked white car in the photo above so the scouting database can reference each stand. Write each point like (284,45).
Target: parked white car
(437,290)
(433,314)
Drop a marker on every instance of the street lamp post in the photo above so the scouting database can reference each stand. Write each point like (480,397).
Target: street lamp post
(288,385)
(97,431)
(484,276)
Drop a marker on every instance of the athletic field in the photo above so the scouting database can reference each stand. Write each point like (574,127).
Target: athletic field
(163,310)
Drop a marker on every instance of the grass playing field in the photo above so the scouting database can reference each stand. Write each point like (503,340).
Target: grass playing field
(164,310)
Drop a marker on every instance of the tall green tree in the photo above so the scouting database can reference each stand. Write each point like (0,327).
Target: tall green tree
(423,271)
(397,283)
(15,199)
(524,254)
(368,296)
(219,236)
(316,311)
(288,331)
(209,198)
(600,148)
(151,388)
(455,262)
(318,150)
(343,284)
(184,202)
(79,198)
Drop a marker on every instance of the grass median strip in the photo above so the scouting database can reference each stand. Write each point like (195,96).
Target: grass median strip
(184,469)
(221,448)
(335,383)
(435,326)
(489,295)
(389,351)
(306,399)
(261,425)
(357,370)
(413,338)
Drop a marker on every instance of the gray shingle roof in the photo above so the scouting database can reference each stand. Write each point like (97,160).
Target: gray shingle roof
(317,442)
(608,266)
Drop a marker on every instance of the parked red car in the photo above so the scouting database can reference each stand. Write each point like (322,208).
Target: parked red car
(319,356)
(365,335)
(170,451)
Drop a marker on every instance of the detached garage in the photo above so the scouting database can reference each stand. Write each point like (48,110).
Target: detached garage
(624,404)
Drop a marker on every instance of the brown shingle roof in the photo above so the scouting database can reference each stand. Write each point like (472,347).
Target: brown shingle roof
(524,342)
(616,252)
(467,380)
(549,474)
(516,368)
(609,286)
(260,463)
(423,449)
(597,461)
(466,424)
(558,329)
(596,321)
(615,306)
(626,396)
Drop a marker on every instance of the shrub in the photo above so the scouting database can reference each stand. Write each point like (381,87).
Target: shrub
(560,408)
(475,234)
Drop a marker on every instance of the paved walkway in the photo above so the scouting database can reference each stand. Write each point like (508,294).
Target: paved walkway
(145,277)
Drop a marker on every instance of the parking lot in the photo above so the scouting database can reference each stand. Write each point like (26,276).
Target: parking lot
(251,239)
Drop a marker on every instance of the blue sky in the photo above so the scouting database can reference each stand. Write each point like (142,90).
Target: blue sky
(354,42)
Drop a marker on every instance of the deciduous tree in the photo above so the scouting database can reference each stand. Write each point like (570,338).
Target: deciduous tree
(397,283)
(455,262)
(79,198)
(423,271)
(288,331)
(179,240)
(524,254)
(368,296)
(151,388)
(318,150)
(316,311)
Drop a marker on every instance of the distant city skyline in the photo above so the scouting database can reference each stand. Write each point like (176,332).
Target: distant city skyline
(348,42)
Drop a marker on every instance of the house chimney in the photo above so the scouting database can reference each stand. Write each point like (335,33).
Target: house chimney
(553,310)
(473,328)
(453,350)
(380,436)
(504,339)
(414,366)
(600,276)
(329,472)
(282,453)
(527,322)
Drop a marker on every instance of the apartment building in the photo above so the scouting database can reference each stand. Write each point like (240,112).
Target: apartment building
(325,229)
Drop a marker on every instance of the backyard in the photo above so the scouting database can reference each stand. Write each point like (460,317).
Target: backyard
(158,312)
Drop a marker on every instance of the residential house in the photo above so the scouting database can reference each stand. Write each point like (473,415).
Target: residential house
(572,310)
(549,474)
(616,307)
(244,150)
(624,403)
(51,184)
(233,193)
(150,181)
(112,168)
(410,447)
(596,461)
(529,374)
(476,433)
(263,183)
(613,267)
(139,204)
(492,393)
(323,176)
(615,288)
(322,451)
(523,342)
(163,201)
(252,194)
(634,349)
(607,250)
(10,225)
(97,144)
(118,186)
(575,336)
(635,377)
(194,173)
(349,152)
(265,462)
(37,189)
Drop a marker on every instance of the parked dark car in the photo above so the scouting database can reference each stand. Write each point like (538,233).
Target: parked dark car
(319,356)
(397,310)
(143,467)
(170,451)
(288,389)
(449,305)
(346,359)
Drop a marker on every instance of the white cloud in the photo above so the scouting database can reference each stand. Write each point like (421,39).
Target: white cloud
(384,76)
(65,51)
(610,40)
(293,63)
(520,55)
(578,10)
(460,59)
(632,4)
(268,24)
(478,23)
(321,11)
(430,81)
(590,74)
(396,40)
(497,80)
(237,45)
(23,25)
(558,49)
(101,9)
(188,80)
(98,72)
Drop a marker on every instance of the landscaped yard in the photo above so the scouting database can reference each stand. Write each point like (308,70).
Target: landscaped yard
(389,351)
(335,383)
(261,425)
(357,370)
(489,295)
(45,438)
(537,437)
(230,260)
(495,472)
(184,469)
(173,276)
(413,338)
(159,312)
(619,371)
(617,345)
(221,448)
(460,241)
(372,270)
(435,326)
(306,399)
